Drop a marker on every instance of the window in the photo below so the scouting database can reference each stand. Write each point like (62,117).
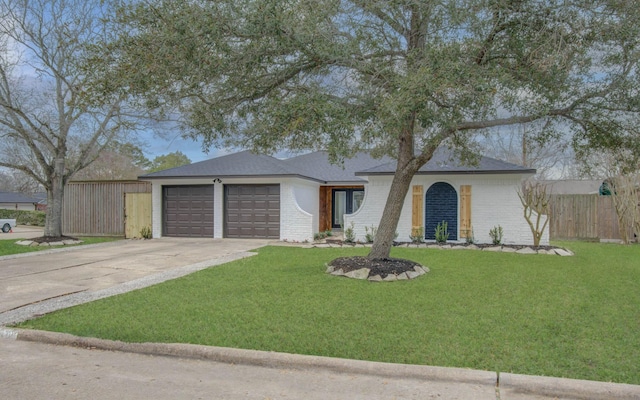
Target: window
(345,201)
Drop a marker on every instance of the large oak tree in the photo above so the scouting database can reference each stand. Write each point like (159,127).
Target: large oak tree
(48,129)
(398,77)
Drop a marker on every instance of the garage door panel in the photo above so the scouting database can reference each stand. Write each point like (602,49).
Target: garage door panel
(188,211)
(252,211)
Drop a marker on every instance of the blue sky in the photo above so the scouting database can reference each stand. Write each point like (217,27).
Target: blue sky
(157,146)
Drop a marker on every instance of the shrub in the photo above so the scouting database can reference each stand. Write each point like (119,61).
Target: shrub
(496,235)
(370,233)
(23,217)
(470,239)
(441,232)
(146,233)
(417,235)
(349,234)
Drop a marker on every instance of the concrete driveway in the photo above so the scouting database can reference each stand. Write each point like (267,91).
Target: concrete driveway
(35,283)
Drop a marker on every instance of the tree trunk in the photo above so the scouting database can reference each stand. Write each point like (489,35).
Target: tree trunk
(55,197)
(391,215)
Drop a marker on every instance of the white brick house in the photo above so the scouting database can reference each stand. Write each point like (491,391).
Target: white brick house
(244,195)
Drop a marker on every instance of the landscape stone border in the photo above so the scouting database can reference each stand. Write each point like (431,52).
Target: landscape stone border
(504,249)
(48,244)
(363,273)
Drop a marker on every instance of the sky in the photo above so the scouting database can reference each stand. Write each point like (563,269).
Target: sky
(157,146)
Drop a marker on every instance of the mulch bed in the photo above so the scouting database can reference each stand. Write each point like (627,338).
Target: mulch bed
(52,239)
(378,266)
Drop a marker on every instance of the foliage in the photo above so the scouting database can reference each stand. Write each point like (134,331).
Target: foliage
(350,234)
(398,78)
(322,235)
(171,160)
(572,317)
(417,235)
(117,161)
(496,235)
(442,234)
(48,127)
(146,232)
(470,239)
(24,217)
(370,234)
(535,203)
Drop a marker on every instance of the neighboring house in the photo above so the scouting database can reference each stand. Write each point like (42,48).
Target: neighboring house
(17,201)
(41,197)
(244,195)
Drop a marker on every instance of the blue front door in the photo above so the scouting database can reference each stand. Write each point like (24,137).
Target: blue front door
(441,204)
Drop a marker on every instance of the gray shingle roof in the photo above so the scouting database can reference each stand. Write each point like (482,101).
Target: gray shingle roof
(444,162)
(242,164)
(316,166)
(12,197)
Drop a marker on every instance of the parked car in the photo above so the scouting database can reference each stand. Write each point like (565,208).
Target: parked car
(7,225)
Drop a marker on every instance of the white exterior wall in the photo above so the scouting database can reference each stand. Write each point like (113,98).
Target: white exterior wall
(297,211)
(494,201)
(298,205)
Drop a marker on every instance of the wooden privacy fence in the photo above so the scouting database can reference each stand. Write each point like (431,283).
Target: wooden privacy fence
(98,208)
(583,216)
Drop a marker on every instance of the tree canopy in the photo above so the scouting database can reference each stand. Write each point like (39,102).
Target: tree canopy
(170,160)
(396,77)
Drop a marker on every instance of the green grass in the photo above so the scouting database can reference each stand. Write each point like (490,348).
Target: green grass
(9,246)
(576,317)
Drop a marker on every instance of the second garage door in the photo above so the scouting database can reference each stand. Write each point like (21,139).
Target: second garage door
(252,211)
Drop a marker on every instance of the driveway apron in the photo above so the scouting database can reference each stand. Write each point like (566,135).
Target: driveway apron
(33,278)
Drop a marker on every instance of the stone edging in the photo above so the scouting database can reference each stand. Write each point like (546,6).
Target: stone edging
(363,273)
(504,249)
(47,244)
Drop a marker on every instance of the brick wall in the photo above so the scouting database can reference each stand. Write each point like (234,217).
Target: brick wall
(494,201)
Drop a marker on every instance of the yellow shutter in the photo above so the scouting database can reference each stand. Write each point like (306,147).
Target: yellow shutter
(465,211)
(417,219)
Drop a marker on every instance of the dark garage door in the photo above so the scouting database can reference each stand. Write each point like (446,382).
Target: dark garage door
(252,211)
(187,211)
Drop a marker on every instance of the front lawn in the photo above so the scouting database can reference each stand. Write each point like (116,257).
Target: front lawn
(576,317)
(9,246)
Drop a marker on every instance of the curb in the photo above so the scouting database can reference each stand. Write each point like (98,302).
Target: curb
(510,385)
(562,388)
(260,358)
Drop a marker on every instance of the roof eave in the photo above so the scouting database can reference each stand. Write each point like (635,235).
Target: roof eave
(211,176)
(484,172)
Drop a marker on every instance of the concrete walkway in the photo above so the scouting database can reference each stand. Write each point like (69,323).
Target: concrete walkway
(51,365)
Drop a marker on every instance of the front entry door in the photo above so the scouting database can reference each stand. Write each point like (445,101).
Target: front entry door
(345,201)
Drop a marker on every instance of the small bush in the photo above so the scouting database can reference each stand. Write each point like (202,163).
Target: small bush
(470,239)
(442,234)
(349,234)
(370,234)
(322,235)
(496,235)
(417,235)
(146,233)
